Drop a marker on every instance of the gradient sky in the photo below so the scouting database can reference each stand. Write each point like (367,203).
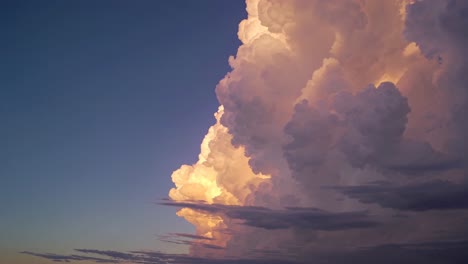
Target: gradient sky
(340,135)
(99,102)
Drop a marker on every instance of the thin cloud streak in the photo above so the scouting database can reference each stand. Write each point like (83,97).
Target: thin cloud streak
(432,252)
(291,217)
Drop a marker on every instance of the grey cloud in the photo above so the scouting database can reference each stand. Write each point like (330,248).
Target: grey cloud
(412,156)
(174,238)
(439,29)
(375,120)
(436,25)
(190,236)
(372,122)
(107,253)
(428,252)
(433,195)
(148,257)
(309,130)
(432,252)
(348,130)
(300,218)
(68,258)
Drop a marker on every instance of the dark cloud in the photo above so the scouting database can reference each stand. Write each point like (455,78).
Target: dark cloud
(190,236)
(68,258)
(147,257)
(174,238)
(429,252)
(433,252)
(372,121)
(107,253)
(439,29)
(433,195)
(301,218)
(361,129)
(414,157)
(375,121)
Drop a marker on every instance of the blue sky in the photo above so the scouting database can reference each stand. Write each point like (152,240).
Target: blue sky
(100,101)
(352,111)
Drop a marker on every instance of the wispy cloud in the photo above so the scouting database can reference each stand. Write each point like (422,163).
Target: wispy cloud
(431,252)
(68,258)
(147,257)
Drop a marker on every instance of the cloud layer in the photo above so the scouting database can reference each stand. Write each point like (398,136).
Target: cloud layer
(433,253)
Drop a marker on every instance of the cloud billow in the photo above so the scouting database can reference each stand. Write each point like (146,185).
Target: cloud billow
(337,116)
(354,108)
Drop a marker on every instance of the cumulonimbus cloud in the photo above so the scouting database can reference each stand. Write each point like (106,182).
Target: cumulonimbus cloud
(335,93)
(355,108)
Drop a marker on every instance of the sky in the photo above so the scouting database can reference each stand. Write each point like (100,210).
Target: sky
(100,102)
(264,131)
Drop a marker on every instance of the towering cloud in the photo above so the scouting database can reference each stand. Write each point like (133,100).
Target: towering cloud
(340,138)
(343,106)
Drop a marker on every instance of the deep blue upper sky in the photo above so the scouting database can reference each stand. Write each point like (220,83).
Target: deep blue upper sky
(99,102)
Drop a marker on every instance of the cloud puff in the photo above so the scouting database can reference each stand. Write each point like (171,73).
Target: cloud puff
(364,127)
